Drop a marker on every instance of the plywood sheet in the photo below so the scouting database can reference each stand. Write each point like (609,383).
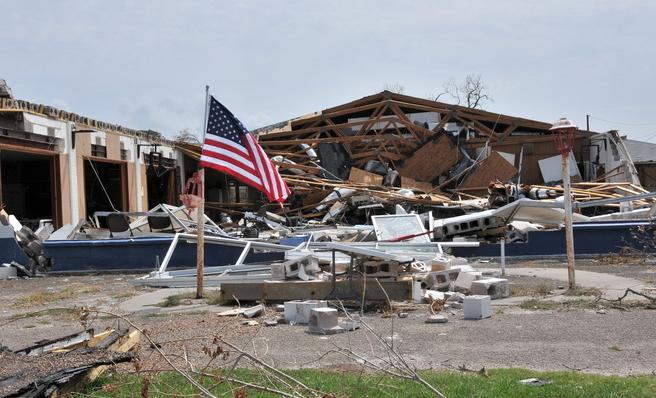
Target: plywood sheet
(491,168)
(364,177)
(113,146)
(407,182)
(431,160)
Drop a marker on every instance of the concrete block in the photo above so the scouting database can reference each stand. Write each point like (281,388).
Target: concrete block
(417,292)
(477,307)
(439,264)
(350,325)
(496,288)
(324,321)
(441,280)
(278,271)
(254,311)
(381,269)
(298,311)
(301,268)
(454,297)
(432,295)
(437,319)
(464,281)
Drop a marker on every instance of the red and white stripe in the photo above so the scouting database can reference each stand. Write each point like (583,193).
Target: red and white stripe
(249,164)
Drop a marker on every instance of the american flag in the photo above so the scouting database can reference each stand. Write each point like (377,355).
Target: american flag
(231,149)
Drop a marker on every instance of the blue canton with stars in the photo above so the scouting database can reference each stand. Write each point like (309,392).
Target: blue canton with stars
(221,122)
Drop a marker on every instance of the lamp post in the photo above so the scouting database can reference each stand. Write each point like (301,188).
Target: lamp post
(563,133)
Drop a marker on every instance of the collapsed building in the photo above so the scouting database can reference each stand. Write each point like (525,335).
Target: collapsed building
(467,173)
(437,145)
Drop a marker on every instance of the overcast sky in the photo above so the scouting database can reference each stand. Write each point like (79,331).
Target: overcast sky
(144,64)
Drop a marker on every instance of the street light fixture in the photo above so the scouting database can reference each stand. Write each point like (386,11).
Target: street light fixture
(563,134)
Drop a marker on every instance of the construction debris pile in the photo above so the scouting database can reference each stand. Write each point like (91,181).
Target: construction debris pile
(23,246)
(388,151)
(59,367)
(388,188)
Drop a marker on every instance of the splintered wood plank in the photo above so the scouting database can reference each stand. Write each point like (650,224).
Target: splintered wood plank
(431,160)
(491,168)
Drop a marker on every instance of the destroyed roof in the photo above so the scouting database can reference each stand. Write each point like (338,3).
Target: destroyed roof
(641,151)
(389,127)
(488,122)
(16,105)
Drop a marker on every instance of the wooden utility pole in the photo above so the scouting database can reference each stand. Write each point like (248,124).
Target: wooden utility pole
(563,133)
(200,228)
(569,231)
(200,239)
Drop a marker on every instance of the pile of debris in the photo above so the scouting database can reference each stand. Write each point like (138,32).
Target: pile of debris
(21,249)
(61,366)
(500,194)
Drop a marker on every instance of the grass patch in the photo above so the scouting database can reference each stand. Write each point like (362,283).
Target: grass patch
(124,295)
(577,303)
(499,384)
(614,347)
(213,297)
(582,303)
(583,291)
(541,289)
(210,298)
(174,314)
(43,313)
(177,299)
(70,291)
(535,304)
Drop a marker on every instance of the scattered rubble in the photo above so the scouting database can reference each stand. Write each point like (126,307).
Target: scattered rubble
(60,366)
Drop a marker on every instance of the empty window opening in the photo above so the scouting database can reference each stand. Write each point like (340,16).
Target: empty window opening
(111,176)
(26,180)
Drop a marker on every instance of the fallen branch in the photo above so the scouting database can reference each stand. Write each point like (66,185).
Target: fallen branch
(184,374)
(628,291)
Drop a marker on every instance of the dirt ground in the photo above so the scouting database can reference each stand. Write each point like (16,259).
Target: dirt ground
(581,338)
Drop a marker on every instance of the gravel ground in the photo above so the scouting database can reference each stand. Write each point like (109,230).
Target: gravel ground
(612,343)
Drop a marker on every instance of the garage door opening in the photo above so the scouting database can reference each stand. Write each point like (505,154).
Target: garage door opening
(160,179)
(27,186)
(104,186)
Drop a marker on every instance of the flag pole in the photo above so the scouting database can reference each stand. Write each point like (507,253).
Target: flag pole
(200,229)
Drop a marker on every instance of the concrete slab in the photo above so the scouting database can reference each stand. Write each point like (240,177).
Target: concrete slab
(148,301)
(273,291)
(612,286)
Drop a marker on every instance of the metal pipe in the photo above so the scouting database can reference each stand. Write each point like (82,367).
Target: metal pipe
(169,253)
(243,254)
(503,256)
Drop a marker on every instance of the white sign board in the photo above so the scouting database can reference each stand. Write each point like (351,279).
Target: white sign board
(551,170)
(395,226)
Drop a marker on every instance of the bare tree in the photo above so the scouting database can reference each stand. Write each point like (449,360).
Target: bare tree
(395,88)
(472,93)
(186,136)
